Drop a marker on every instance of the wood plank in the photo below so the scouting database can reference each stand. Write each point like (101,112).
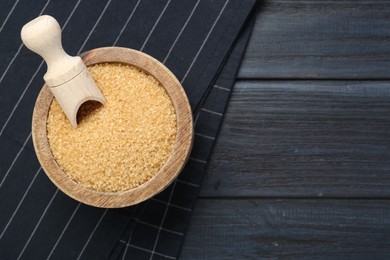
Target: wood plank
(293,229)
(303,139)
(319,39)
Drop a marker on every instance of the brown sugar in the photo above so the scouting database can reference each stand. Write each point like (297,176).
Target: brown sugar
(121,144)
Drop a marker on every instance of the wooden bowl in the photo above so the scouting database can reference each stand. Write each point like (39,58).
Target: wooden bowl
(165,176)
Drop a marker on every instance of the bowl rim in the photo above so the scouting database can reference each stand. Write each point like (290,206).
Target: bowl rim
(166,175)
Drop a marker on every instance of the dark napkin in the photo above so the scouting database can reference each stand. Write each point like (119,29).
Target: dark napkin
(201,42)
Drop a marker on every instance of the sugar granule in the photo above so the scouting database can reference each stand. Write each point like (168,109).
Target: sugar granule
(121,144)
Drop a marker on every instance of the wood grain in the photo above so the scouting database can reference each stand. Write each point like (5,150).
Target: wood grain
(319,39)
(303,139)
(322,145)
(289,229)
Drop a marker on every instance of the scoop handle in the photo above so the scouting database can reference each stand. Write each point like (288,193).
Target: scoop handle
(66,76)
(43,36)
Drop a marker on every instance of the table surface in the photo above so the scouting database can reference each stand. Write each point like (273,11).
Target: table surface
(301,167)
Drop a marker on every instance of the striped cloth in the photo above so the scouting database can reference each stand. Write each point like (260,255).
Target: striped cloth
(200,41)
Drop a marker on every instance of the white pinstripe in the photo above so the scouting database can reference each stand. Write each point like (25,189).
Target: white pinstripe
(20,98)
(20,47)
(154,226)
(9,14)
(94,26)
(181,31)
(15,159)
(171,204)
(189,183)
(155,24)
(20,203)
(12,61)
(127,21)
(131,234)
(162,221)
(197,160)
(205,136)
(222,88)
(146,250)
(63,231)
(37,225)
(126,247)
(204,42)
(212,112)
(196,119)
(91,235)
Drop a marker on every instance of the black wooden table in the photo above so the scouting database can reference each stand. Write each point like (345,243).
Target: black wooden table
(302,164)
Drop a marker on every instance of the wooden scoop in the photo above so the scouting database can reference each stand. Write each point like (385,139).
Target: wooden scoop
(67,77)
